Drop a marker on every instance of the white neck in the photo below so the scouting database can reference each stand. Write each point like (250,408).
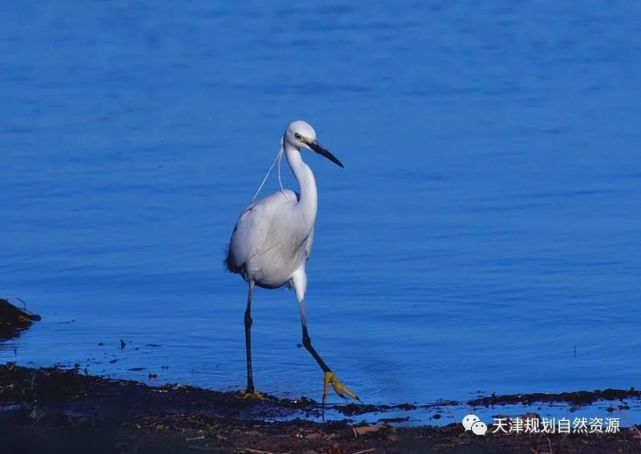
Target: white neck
(308,202)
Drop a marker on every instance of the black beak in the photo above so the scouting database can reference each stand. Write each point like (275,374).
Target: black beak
(321,150)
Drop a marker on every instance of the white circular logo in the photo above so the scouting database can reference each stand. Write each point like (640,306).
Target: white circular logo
(479,428)
(469,421)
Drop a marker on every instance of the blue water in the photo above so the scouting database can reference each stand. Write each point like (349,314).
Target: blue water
(485,234)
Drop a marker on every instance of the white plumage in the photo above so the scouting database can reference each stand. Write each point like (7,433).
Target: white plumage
(272,241)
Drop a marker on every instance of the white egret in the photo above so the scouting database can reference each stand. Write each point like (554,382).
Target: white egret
(272,241)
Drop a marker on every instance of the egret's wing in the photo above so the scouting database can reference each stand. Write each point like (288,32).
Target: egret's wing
(248,234)
(260,228)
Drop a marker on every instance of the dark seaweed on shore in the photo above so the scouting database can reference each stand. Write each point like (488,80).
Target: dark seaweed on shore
(55,410)
(52,410)
(14,319)
(573,398)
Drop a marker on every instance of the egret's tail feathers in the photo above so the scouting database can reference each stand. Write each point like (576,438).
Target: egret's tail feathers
(228,262)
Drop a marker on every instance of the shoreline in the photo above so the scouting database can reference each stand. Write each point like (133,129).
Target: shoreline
(62,410)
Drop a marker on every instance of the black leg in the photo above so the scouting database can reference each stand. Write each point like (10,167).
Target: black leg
(248,338)
(307,342)
(299,280)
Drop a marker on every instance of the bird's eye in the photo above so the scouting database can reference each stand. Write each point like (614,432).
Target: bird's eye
(298,136)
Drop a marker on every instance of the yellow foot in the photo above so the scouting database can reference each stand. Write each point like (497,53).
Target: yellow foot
(252,395)
(339,388)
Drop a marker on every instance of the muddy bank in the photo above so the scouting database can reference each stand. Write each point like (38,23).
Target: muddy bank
(13,319)
(54,410)
(573,398)
(66,410)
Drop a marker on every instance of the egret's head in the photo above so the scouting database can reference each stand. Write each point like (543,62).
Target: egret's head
(300,134)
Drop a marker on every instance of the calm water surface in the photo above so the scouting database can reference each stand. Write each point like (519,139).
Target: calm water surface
(485,234)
